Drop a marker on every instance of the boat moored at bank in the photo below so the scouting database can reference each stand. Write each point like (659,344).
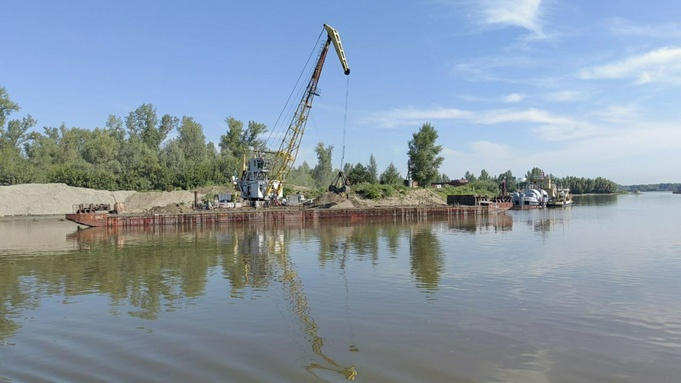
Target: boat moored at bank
(538,192)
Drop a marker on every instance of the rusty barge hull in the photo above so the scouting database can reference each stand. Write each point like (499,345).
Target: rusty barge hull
(100,219)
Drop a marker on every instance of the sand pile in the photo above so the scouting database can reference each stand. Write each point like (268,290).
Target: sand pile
(332,201)
(328,198)
(413,197)
(43,199)
(47,199)
(143,201)
(410,198)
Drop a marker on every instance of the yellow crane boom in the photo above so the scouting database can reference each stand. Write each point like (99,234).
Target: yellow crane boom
(288,150)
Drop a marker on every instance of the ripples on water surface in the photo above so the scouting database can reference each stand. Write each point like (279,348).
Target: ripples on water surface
(587,294)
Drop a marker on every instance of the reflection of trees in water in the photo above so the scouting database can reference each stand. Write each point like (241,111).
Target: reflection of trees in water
(337,241)
(595,199)
(244,257)
(160,269)
(15,296)
(544,225)
(472,223)
(427,258)
(151,271)
(392,235)
(362,241)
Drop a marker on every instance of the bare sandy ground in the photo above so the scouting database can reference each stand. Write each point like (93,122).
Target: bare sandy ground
(49,199)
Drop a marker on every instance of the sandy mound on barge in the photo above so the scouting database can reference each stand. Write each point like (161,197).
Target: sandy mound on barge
(43,199)
(48,199)
(413,197)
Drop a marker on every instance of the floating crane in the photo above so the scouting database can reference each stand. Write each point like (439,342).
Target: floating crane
(264,178)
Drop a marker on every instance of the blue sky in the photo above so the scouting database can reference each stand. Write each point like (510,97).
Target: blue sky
(579,88)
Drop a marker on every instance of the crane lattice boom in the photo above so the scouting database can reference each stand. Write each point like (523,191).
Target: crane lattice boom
(262,182)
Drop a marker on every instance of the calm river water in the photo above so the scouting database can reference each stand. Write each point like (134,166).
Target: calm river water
(587,294)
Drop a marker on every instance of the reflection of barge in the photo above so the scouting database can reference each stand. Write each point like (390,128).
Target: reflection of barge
(106,219)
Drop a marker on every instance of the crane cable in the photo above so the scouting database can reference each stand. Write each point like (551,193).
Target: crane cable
(288,109)
(345,120)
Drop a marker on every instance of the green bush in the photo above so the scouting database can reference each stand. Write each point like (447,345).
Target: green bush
(376,191)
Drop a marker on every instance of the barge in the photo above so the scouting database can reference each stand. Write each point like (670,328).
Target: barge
(104,218)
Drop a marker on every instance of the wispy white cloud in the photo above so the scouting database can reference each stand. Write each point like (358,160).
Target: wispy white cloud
(500,150)
(514,115)
(623,27)
(547,126)
(409,116)
(520,69)
(565,96)
(564,132)
(542,124)
(514,97)
(659,65)
(516,13)
(618,113)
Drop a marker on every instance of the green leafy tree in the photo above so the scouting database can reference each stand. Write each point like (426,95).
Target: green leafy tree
(357,174)
(323,171)
(424,160)
(139,164)
(301,175)
(143,124)
(191,140)
(220,172)
(372,169)
(114,125)
(535,172)
(230,142)
(61,146)
(156,137)
(238,141)
(511,184)
(172,158)
(603,186)
(14,168)
(470,176)
(252,136)
(391,176)
(142,119)
(16,133)
(101,148)
(7,106)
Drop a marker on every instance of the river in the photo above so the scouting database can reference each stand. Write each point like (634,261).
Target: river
(590,293)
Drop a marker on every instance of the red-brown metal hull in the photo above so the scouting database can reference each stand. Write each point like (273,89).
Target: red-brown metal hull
(278,215)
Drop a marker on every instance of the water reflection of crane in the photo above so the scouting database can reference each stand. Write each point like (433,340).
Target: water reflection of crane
(298,299)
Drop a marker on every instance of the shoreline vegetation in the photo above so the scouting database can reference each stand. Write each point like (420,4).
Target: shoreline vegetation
(147,151)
